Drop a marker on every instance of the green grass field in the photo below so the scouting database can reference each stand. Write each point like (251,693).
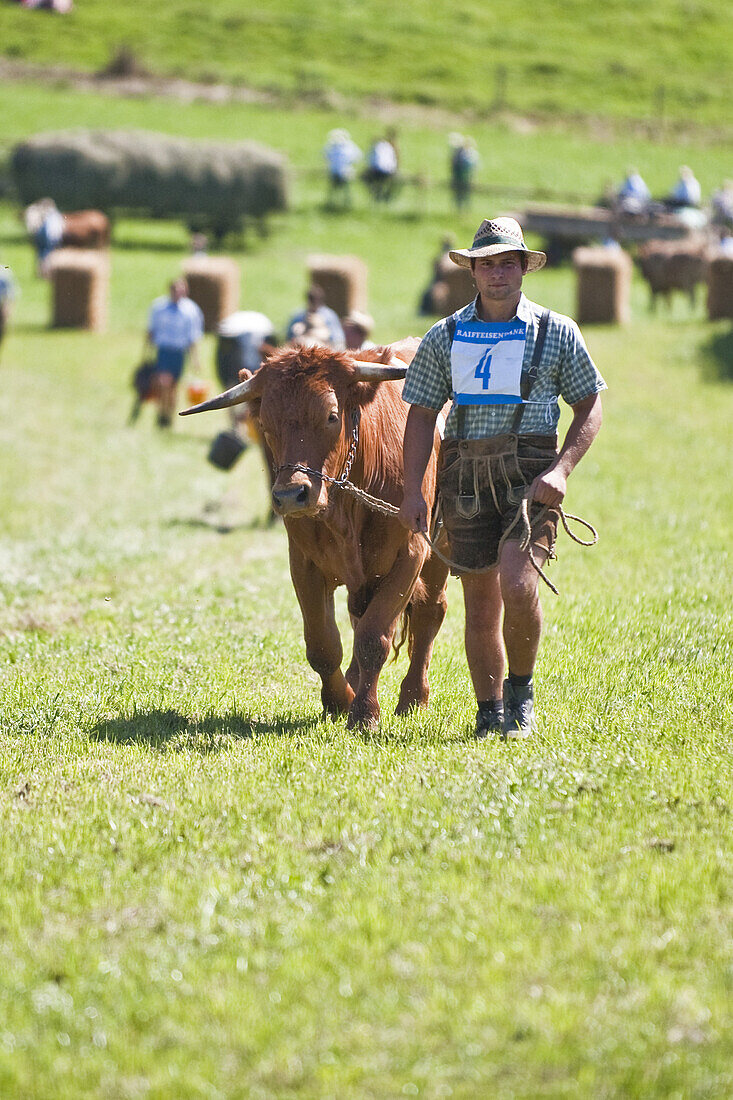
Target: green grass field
(623,60)
(209,892)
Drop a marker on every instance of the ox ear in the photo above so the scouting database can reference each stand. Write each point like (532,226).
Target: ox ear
(379,372)
(249,390)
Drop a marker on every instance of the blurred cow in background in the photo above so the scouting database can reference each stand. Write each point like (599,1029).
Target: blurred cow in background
(48,229)
(673,265)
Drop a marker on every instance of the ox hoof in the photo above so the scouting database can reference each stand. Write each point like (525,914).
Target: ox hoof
(362,719)
(407,706)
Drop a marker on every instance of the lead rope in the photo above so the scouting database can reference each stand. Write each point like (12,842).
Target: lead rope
(521,517)
(387,509)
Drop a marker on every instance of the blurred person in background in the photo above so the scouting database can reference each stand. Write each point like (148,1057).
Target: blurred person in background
(175,326)
(633,196)
(8,294)
(317,322)
(45,225)
(242,340)
(382,164)
(463,161)
(342,155)
(721,206)
(357,328)
(686,191)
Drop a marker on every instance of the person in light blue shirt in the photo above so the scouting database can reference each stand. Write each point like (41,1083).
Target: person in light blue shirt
(302,322)
(686,191)
(633,196)
(342,155)
(503,362)
(7,296)
(175,326)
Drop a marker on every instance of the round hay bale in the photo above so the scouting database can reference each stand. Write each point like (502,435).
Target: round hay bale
(213,284)
(343,280)
(79,288)
(720,286)
(603,285)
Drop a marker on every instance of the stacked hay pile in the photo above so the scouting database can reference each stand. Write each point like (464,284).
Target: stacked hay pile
(217,182)
(213,284)
(720,286)
(79,288)
(453,287)
(603,285)
(343,280)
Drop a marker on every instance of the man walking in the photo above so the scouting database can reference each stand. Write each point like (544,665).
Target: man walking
(175,326)
(504,361)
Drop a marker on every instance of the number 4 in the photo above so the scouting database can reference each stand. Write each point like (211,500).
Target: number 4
(483,370)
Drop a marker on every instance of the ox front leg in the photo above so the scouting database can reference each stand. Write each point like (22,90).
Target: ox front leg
(427,611)
(373,637)
(323,647)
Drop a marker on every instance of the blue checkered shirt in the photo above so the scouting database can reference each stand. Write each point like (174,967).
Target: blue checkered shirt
(566,370)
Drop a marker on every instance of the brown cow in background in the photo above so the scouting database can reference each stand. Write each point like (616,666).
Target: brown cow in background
(81,228)
(319,410)
(673,265)
(86,229)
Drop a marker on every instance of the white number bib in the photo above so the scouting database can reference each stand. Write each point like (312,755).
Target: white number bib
(486,362)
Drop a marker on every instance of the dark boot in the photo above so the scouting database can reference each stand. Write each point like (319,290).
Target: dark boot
(490,719)
(518,711)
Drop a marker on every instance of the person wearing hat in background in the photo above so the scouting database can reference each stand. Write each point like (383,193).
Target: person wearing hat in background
(504,361)
(357,328)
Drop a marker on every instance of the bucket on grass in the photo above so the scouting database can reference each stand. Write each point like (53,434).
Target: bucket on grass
(197,391)
(225,449)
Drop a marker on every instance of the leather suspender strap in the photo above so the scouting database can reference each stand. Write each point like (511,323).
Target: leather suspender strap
(529,376)
(461,410)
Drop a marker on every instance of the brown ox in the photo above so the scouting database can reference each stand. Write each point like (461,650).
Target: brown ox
(81,228)
(86,229)
(312,403)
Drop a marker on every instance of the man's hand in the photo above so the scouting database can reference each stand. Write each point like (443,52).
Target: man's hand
(549,488)
(414,513)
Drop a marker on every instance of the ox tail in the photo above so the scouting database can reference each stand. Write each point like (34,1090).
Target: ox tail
(403,633)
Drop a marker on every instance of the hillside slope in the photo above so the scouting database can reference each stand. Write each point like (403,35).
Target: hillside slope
(633,59)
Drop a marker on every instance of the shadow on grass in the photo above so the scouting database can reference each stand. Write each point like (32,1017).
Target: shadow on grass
(140,244)
(208,733)
(222,527)
(718,353)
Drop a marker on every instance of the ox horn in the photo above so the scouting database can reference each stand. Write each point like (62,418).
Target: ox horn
(379,372)
(235,396)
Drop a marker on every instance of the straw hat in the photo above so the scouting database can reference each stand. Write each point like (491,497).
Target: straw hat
(493,237)
(361,320)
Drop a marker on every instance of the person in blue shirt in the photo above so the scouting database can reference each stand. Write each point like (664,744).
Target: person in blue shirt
(633,196)
(175,326)
(686,191)
(342,155)
(7,294)
(316,309)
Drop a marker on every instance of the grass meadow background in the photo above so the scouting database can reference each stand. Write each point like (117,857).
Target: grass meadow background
(208,891)
(666,60)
